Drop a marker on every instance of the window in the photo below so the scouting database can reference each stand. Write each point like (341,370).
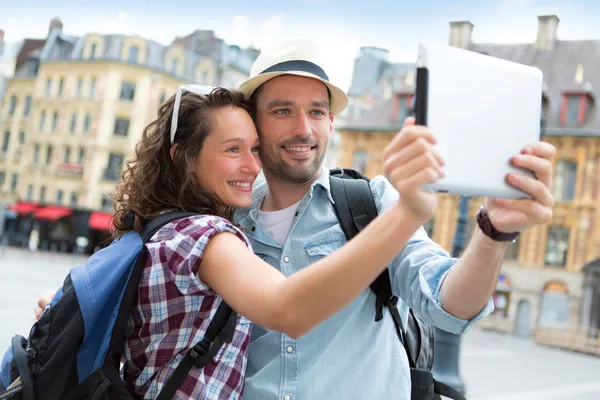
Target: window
(49,155)
(68,154)
(429,227)
(13,183)
(12,105)
(554,306)
(174,66)
(121,127)
(5,140)
(54,120)
(92,88)
(204,77)
(127,90)
(403,109)
(163,97)
(359,161)
(32,67)
(59,196)
(42,194)
(30,192)
(572,110)
(81,156)
(73,199)
(21,137)
(107,202)
(512,252)
(86,123)
(557,246)
(48,87)
(133,55)
(93,51)
(565,178)
(36,154)
(2,175)
(61,85)
(27,108)
(42,121)
(501,301)
(73,123)
(114,165)
(79,88)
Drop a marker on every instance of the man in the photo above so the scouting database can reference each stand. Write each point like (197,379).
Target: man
(292,223)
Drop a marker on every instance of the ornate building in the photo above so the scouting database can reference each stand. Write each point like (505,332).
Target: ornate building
(77,106)
(540,292)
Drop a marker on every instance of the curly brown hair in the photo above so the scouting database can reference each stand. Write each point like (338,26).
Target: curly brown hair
(153,182)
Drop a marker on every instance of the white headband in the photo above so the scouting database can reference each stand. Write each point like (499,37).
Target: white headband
(196,89)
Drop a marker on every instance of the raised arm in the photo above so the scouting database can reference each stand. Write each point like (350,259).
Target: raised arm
(297,303)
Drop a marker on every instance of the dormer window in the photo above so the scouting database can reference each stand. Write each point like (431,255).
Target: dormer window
(576,105)
(571,110)
(545,106)
(402,108)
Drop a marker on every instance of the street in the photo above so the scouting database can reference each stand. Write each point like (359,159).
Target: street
(493,366)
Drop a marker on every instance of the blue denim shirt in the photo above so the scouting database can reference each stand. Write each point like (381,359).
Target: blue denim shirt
(349,356)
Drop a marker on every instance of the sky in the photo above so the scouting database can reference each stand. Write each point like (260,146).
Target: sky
(339,27)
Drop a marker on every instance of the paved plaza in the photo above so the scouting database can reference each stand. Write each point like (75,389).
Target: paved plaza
(493,366)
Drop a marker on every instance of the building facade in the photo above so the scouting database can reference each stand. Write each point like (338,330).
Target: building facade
(374,79)
(76,107)
(541,292)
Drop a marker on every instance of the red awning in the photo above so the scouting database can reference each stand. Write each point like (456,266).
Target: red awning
(23,207)
(101,221)
(52,213)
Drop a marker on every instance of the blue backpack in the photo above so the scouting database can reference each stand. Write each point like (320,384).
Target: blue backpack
(74,350)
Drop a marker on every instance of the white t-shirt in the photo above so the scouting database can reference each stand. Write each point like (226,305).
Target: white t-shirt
(277,223)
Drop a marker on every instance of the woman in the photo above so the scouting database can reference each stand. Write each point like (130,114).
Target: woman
(201,155)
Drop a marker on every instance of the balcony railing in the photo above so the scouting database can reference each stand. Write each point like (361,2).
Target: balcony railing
(69,170)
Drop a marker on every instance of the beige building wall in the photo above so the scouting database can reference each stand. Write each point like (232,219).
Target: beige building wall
(525,266)
(91,97)
(16,124)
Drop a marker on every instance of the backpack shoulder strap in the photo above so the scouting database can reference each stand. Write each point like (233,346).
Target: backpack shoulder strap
(154,225)
(219,331)
(355,208)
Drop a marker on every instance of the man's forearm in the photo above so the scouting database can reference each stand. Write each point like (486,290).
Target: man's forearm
(471,281)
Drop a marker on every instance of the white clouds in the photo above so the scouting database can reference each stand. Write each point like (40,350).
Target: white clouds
(119,23)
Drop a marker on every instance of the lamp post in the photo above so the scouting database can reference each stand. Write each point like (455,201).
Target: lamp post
(447,345)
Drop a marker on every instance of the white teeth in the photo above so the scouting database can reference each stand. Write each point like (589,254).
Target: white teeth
(240,184)
(299,149)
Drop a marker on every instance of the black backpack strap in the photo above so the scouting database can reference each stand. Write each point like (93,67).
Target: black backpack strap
(355,208)
(447,391)
(220,330)
(117,341)
(151,227)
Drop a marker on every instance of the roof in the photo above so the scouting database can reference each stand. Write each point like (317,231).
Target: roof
(60,47)
(559,67)
(29,50)
(376,119)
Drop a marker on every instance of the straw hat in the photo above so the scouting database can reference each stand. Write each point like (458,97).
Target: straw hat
(296,57)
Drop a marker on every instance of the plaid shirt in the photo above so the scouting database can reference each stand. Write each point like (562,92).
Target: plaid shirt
(173,312)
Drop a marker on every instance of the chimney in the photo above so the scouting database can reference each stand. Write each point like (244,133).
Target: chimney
(460,34)
(55,23)
(546,34)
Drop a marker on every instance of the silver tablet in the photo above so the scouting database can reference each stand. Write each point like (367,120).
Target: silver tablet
(483,111)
